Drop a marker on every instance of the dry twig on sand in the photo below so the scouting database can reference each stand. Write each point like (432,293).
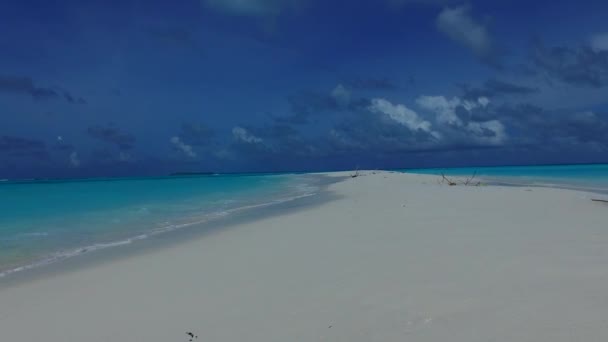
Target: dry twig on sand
(445,179)
(470,179)
(466,182)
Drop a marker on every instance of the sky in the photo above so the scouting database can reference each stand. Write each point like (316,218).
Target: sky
(142,88)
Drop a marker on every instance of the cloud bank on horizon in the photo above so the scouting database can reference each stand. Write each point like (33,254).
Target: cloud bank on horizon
(100,89)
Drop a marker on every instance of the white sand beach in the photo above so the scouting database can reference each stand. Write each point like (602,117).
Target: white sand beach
(394,257)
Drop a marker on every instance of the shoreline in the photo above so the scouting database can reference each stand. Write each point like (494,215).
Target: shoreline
(385,256)
(152,240)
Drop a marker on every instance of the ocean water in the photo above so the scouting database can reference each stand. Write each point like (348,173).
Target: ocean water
(46,221)
(592,177)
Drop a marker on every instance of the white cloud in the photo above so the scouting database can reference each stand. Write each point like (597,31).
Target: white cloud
(243,135)
(458,24)
(250,7)
(446,108)
(180,145)
(74,160)
(599,42)
(402,115)
(341,95)
(483,101)
(488,132)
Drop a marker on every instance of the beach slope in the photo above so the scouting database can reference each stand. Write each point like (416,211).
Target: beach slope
(393,257)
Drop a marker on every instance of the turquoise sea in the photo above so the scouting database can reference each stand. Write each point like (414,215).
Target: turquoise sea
(591,177)
(46,221)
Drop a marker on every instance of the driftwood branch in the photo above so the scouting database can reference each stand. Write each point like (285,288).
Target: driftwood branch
(447,180)
(470,179)
(599,200)
(466,182)
(356,174)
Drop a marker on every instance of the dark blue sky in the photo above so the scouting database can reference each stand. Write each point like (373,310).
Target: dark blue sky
(111,88)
